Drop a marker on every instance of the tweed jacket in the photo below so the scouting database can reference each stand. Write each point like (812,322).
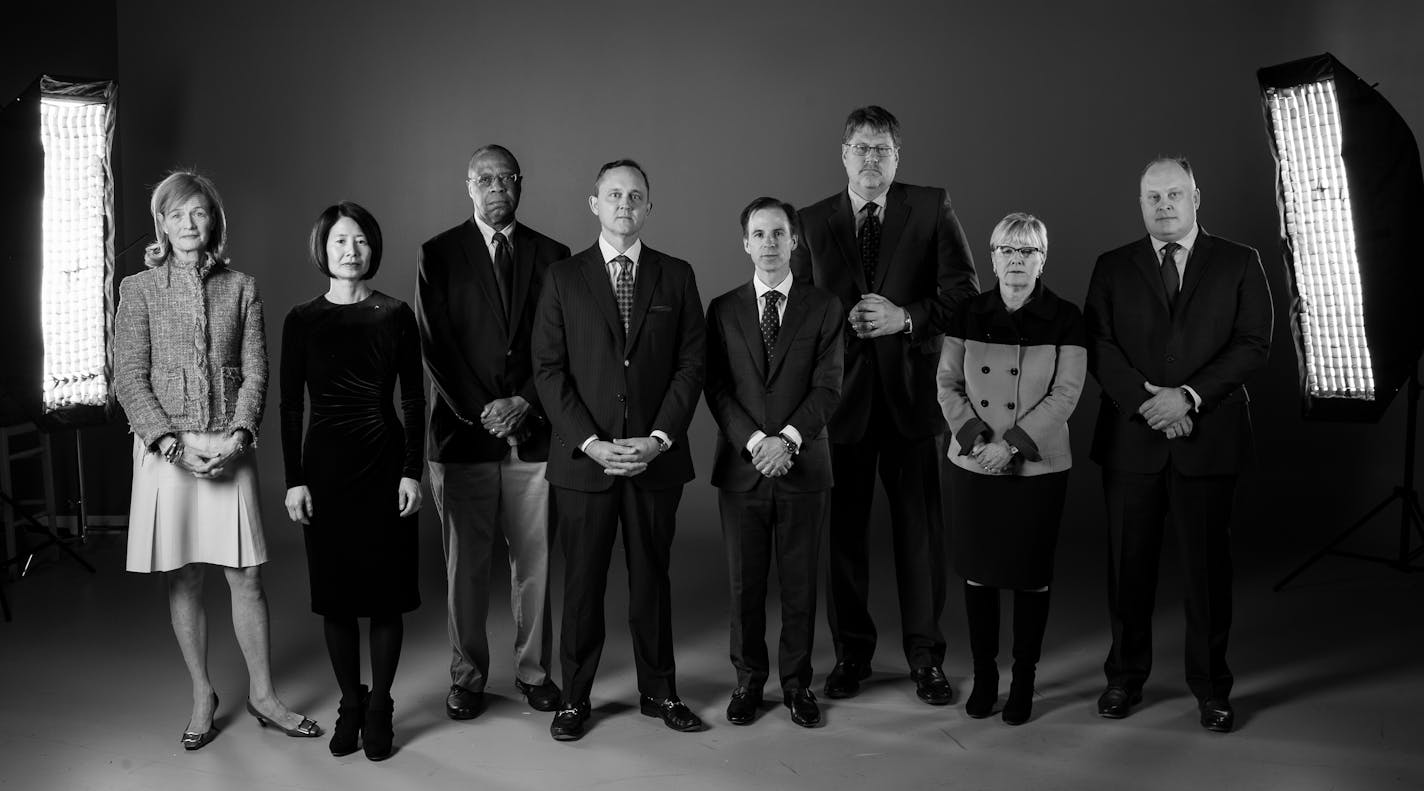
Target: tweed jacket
(1013,376)
(190,350)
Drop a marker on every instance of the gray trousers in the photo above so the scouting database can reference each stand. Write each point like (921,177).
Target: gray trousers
(479,503)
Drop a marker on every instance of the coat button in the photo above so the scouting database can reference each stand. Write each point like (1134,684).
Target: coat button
(1010,405)
(1171,358)
(625,363)
(984,370)
(508,352)
(983,402)
(622,398)
(1013,372)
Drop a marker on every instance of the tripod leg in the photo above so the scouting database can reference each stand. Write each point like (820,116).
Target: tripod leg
(1330,547)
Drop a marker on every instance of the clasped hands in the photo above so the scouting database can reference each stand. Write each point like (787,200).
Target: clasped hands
(1167,411)
(875,316)
(502,417)
(993,457)
(624,457)
(209,464)
(772,457)
(300,508)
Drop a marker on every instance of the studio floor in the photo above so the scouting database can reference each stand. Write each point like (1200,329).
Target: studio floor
(1329,694)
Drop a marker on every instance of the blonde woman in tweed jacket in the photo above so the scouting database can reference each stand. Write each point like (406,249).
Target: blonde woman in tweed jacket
(192,377)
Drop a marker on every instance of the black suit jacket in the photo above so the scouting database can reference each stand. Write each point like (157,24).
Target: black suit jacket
(472,353)
(801,388)
(925,267)
(594,381)
(1218,333)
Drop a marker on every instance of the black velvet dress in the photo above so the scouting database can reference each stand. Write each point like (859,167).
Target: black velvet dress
(361,555)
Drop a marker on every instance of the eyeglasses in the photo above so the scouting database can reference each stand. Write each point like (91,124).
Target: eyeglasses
(1024,252)
(485,182)
(862,150)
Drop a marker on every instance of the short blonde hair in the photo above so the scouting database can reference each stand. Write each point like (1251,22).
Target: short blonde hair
(176,188)
(1020,228)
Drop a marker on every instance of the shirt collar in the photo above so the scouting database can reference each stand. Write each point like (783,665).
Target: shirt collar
(610,252)
(488,233)
(784,287)
(857,203)
(1186,242)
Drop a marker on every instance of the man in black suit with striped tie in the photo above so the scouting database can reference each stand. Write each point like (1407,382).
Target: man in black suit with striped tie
(618,349)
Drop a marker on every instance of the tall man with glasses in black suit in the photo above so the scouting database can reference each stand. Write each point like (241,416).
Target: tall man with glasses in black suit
(774,357)
(477,286)
(896,255)
(618,361)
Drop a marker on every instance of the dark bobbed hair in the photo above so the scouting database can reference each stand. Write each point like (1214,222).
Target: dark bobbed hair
(765,202)
(322,229)
(622,163)
(176,188)
(877,118)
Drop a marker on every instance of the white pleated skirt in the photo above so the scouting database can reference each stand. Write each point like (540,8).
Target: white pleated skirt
(176,519)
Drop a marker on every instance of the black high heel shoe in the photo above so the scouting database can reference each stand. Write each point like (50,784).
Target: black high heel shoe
(196,741)
(350,720)
(378,736)
(306,728)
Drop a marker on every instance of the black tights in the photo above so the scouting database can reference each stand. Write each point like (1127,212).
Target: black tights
(343,643)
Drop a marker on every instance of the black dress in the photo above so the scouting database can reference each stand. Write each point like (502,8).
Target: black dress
(361,555)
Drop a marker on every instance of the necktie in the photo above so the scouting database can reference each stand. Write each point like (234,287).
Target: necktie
(504,271)
(870,243)
(770,324)
(624,288)
(1170,280)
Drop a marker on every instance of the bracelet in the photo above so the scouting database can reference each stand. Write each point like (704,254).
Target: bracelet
(174,451)
(791,447)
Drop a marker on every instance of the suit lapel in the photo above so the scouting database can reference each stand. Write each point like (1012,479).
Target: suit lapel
(595,276)
(1149,267)
(523,271)
(897,211)
(749,321)
(1197,263)
(791,323)
(478,257)
(842,225)
(644,283)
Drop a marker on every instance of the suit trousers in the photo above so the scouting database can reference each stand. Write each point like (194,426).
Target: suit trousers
(909,470)
(768,522)
(587,526)
(478,503)
(1199,510)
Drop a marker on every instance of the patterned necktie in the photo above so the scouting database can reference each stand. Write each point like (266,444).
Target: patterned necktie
(770,324)
(870,243)
(504,271)
(1170,279)
(624,289)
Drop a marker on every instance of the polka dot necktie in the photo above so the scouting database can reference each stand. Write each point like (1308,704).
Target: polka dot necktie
(770,324)
(1170,279)
(870,243)
(624,289)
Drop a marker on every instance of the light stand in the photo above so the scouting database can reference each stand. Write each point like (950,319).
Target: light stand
(1411,518)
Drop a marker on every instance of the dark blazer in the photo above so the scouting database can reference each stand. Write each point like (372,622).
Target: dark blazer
(802,387)
(472,353)
(1216,336)
(593,380)
(925,267)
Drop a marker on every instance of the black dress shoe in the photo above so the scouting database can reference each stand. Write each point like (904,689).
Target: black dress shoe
(804,709)
(844,680)
(931,686)
(674,713)
(742,709)
(540,697)
(1116,702)
(1217,715)
(463,704)
(569,722)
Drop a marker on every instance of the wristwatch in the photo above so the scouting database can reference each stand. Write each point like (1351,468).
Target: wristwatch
(791,447)
(663,444)
(1013,451)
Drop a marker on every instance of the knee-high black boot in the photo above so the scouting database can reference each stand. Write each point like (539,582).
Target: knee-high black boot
(981,605)
(1030,621)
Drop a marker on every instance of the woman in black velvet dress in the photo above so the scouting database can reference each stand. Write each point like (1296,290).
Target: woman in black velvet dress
(355,483)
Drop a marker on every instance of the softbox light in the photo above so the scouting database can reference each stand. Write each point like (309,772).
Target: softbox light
(57,252)
(1349,188)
